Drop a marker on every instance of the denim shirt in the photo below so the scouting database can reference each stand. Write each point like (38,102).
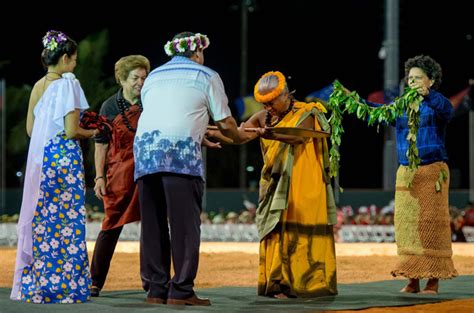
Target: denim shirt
(435,113)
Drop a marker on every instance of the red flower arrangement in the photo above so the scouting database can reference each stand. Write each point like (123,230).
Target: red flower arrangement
(93,120)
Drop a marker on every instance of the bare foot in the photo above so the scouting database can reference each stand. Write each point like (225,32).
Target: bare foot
(428,292)
(413,286)
(408,289)
(431,287)
(280,296)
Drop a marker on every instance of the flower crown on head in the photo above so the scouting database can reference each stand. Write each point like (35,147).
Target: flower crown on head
(191,43)
(275,92)
(52,39)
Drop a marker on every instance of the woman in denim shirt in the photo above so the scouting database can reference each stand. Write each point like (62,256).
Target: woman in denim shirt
(422,228)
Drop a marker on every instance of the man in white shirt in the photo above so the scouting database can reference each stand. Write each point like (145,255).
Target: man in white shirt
(178,99)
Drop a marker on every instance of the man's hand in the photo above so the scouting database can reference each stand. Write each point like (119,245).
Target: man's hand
(207,143)
(216,133)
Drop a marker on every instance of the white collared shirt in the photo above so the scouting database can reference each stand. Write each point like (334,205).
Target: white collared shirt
(178,98)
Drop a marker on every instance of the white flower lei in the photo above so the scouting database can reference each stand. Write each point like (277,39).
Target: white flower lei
(184,44)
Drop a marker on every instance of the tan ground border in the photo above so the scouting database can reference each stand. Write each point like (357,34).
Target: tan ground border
(236,264)
(342,249)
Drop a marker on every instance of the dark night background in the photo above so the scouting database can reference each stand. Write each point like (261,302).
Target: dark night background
(314,42)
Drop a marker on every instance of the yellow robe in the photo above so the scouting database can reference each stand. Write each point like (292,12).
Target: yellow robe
(297,252)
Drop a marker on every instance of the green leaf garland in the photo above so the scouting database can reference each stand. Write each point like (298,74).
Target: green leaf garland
(342,101)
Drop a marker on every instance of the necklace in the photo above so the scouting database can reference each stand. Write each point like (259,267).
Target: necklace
(122,105)
(48,78)
(268,116)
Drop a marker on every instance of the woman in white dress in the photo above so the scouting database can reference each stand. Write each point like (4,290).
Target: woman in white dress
(52,264)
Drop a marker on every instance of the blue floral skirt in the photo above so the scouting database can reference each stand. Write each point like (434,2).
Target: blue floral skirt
(59,272)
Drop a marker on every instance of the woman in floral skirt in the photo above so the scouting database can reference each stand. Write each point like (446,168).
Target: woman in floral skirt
(52,264)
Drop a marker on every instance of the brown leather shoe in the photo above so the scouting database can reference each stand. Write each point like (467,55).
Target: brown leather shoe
(95,291)
(194,300)
(155,300)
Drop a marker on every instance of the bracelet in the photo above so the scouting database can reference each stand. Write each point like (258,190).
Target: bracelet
(97,178)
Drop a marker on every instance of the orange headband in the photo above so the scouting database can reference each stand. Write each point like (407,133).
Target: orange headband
(275,92)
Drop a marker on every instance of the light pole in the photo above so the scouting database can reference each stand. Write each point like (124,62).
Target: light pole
(391,82)
(471,154)
(245,5)
(3,140)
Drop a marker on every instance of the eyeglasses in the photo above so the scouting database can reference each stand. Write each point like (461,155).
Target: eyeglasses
(274,101)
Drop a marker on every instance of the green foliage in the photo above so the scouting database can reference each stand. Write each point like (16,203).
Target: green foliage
(93,213)
(342,101)
(16,109)
(89,70)
(97,86)
(5,218)
(443,176)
